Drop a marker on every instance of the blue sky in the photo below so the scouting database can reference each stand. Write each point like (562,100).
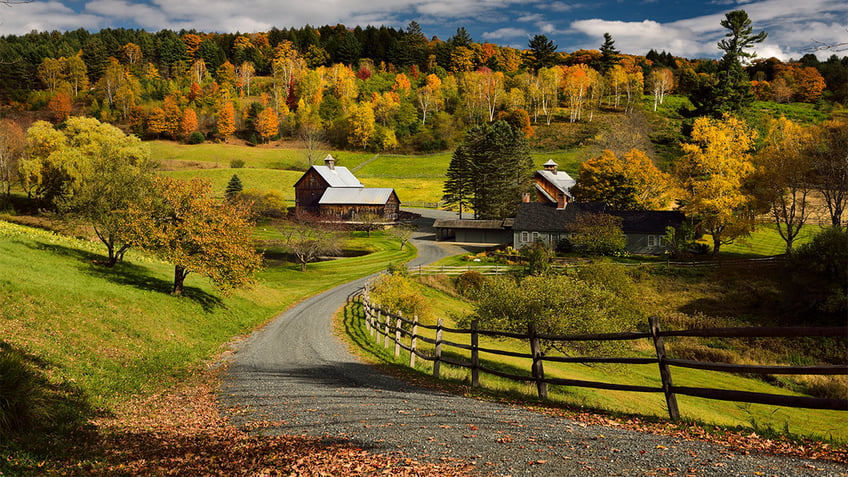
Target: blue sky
(683,28)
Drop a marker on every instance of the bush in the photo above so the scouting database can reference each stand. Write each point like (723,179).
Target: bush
(237,163)
(396,293)
(196,137)
(469,283)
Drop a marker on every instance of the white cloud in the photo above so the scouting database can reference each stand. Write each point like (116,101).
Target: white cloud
(506,33)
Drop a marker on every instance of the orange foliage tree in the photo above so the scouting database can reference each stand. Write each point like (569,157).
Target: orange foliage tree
(60,106)
(226,120)
(198,233)
(188,124)
(267,124)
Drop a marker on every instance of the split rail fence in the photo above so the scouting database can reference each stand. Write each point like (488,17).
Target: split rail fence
(404,334)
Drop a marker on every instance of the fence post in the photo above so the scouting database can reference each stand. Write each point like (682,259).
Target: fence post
(366,310)
(437,361)
(397,335)
(665,373)
(537,368)
(475,355)
(414,345)
(375,331)
(386,332)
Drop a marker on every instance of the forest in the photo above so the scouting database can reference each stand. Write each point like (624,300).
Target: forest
(376,89)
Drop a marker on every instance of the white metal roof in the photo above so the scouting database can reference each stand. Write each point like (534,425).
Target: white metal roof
(561,180)
(355,196)
(338,176)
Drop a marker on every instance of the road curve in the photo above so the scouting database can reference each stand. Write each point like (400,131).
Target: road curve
(295,372)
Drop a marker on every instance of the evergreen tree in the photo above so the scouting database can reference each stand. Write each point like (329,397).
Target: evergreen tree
(729,89)
(609,55)
(542,53)
(490,170)
(234,186)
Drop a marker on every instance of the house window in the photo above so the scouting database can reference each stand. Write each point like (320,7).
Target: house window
(524,237)
(652,241)
(535,236)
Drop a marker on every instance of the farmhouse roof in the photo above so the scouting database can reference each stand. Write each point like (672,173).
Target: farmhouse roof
(473,224)
(536,216)
(338,176)
(356,196)
(559,179)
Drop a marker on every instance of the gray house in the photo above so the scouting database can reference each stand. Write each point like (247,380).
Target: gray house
(644,229)
(481,232)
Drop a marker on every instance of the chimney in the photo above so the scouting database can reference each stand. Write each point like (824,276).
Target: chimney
(550,166)
(562,201)
(525,197)
(330,162)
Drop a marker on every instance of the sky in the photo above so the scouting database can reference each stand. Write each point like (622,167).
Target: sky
(683,28)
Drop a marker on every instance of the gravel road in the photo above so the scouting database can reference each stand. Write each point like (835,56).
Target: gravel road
(296,373)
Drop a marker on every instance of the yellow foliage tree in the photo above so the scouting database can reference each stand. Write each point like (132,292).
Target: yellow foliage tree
(226,120)
(267,124)
(712,172)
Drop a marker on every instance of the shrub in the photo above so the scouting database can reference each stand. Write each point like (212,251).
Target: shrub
(237,163)
(196,137)
(469,283)
(396,293)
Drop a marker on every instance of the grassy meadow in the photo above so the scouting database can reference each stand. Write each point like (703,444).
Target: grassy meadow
(94,337)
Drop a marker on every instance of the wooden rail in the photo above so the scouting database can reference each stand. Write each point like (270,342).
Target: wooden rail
(497,269)
(394,327)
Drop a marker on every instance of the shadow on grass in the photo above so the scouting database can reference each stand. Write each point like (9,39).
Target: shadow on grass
(130,274)
(49,420)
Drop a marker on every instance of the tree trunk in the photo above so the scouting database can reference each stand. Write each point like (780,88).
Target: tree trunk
(179,278)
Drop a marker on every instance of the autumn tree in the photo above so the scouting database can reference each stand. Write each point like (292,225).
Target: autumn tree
(631,182)
(783,177)
(188,123)
(12,146)
(830,166)
(199,234)
(661,82)
(713,172)
(121,177)
(226,120)
(51,72)
(60,106)
(429,96)
(267,124)
(361,125)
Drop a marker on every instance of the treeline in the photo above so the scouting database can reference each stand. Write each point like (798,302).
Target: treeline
(365,88)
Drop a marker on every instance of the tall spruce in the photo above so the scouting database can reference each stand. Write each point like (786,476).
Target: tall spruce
(609,55)
(490,171)
(542,53)
(729,89)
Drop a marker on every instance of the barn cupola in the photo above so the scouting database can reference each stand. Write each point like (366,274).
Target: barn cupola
(550,166)
(330,162)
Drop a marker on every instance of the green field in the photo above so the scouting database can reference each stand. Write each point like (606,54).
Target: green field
(114,333)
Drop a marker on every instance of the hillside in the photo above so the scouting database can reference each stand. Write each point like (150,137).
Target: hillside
(92,339)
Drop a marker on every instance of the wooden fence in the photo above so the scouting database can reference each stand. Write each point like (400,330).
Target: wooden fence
(497,269)
(404,334)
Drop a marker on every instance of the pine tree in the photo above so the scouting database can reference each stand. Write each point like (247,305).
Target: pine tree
(234,186)
(490,170)
(609,55)
(729,89)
